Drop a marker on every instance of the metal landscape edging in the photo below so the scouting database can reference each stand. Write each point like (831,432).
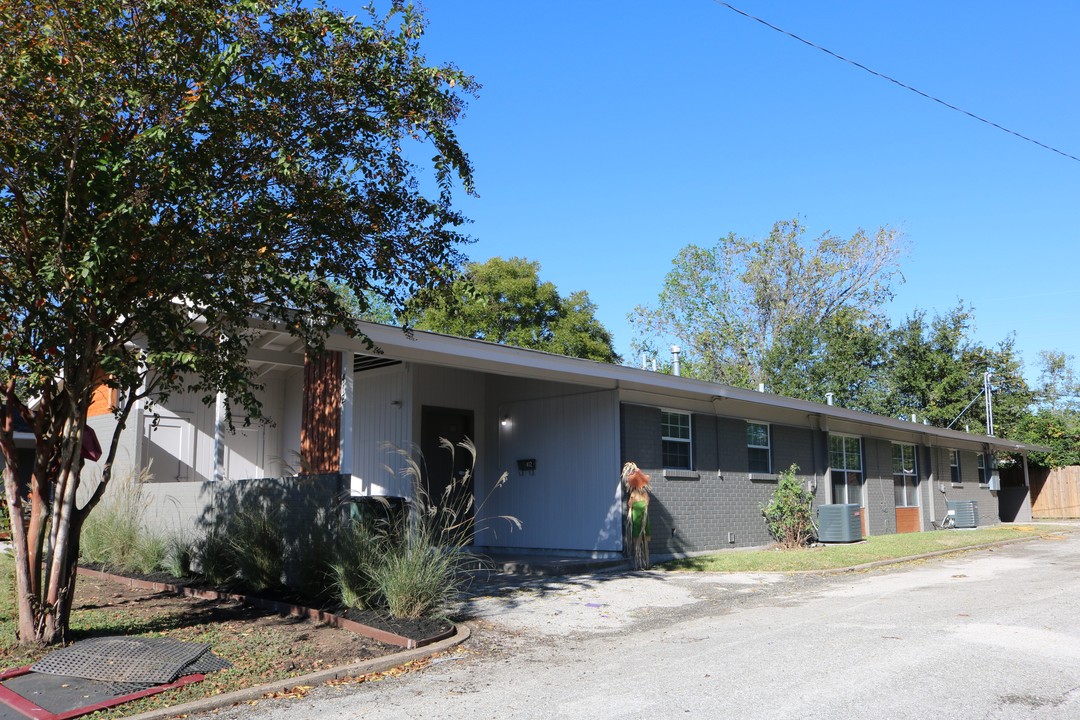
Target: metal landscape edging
(281,608)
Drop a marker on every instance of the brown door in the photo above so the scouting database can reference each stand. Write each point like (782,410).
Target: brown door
(447,478)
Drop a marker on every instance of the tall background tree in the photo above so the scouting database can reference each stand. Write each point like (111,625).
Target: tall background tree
(504,301)
(845,354)
(728,306)
(168,172)
(1055,421)
(935,370)
(808,319)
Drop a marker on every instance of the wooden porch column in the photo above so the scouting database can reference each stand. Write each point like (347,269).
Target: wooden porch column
(320,425)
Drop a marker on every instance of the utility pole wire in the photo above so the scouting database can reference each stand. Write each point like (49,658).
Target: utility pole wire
(895,81)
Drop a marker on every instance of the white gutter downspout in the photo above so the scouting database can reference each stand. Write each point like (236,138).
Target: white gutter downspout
(219,437)
(930,481)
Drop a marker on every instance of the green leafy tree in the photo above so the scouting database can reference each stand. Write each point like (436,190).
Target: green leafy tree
(1059,389)
(845,354)
(728,306)
(935,371)
(1055,421)
(170,171)
(1058,431)
(929,367)
(504,301)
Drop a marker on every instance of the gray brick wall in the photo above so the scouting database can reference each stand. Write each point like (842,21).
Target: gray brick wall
(793,446)
(691,514)
(969,486)
(698,513)
(640,435)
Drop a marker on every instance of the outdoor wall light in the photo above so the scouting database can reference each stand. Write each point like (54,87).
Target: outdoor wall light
(504,420)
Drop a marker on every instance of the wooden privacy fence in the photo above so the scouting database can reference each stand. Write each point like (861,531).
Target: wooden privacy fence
(1056,493)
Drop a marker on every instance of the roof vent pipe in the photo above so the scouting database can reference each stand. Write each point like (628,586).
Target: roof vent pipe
(761,387)
(913,418)
(828,398)
(675,360)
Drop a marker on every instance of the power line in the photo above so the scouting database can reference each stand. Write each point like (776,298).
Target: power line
(883,76)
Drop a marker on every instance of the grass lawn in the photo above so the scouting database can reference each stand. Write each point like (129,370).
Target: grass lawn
(881,547)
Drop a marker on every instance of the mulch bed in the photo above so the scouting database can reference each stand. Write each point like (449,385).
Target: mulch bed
(417,632)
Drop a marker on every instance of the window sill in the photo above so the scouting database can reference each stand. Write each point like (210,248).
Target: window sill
(985,485)
(763,477)
(675,474)
(960,485)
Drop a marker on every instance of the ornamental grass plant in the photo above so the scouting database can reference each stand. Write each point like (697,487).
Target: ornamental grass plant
(115,535)
(414,566)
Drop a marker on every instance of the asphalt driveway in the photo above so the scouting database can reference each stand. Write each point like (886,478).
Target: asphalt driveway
(987,634)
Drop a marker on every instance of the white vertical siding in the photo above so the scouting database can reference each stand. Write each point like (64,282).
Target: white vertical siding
(273,461)
(181,446)
(571,502)
(382,422)
(292,405)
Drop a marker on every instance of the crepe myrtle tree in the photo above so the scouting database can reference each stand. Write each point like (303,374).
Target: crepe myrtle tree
(172,172)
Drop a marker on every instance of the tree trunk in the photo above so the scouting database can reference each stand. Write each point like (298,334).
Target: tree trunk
(67,593)
(39,514)
(43,600)
(25,629)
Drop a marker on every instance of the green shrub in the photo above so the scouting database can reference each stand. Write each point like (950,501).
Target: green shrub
(115,536)
(311,564)
(179,556)
(258,547)
(148,555)
(361,546)
(789,515)
(214,557)
(418,576)
(414,568)
(108,536)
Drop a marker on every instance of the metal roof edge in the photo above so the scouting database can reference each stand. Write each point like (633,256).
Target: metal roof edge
(420,345)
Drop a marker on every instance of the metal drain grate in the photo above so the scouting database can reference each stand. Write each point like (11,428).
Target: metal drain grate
(124,660)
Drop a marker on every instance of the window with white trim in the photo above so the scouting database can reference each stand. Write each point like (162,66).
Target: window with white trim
(984,473)
(905,476)
(677,451)
(954,466)
(845,464)
(758,450)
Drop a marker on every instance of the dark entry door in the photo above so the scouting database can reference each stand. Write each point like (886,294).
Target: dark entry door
(443,474)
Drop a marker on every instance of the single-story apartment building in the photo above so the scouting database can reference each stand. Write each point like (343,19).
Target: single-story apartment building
(561,428)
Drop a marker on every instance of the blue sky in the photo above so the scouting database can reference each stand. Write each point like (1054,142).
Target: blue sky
(608,135)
